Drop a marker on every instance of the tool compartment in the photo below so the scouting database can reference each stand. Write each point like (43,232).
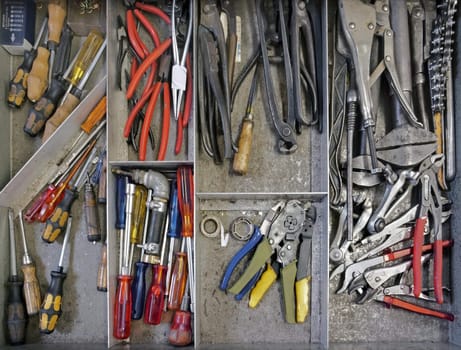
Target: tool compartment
(219,320)
(353,325)
(28,165)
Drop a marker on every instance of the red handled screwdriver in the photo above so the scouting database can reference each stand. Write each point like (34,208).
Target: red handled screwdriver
(156,294)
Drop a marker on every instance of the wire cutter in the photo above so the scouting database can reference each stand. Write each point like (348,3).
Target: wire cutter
(179,70)
(258,234)
(163,71)
(283,240)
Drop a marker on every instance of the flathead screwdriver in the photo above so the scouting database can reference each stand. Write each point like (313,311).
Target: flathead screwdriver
(15,310)
(31,285)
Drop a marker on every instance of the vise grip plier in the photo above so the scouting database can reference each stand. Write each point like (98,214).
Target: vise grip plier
(361,22)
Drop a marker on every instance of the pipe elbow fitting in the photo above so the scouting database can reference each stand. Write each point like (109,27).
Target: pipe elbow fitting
(155,181)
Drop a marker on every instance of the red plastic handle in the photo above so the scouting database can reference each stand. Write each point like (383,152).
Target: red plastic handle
(147,120)
(438,271)
(165,122)
(148,26)
(133,35)
(418,241)
(153,10)
(134,112)
(155,296)
(418,309)
(153,56)
(122,308)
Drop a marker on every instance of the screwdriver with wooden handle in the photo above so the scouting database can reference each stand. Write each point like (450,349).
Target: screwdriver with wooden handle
(57,12)
(101,284)
(242,157)
(74,93)
(51,310)
(15,310)
(31,285)
(18,85)
(90,207)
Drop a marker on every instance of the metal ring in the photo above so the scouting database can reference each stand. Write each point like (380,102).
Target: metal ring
(242,228)
(215,221)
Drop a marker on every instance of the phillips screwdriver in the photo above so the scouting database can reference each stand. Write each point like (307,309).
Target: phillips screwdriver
(181,328)
(120,215)
(242,157)
(138,288)
(174,232)
(18,85)
(73,94)
(50,310)
(57,12)
(57,222)
(123,297)
(15,310)
(93,228)
(156,294)
(31,285)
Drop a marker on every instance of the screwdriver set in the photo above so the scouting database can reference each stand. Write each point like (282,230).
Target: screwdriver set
(232,174)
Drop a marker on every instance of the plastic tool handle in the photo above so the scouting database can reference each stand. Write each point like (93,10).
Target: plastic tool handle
(303,293)
(101,284)
(242,157)
(44,108)
(261,255)
(288,275)
(139,214)
(56,14)
(93,228)
(37,80)
(120,202)
(156,296)
(439,133)
(122,308)
(147,121)
(165,122)
(181,329)
(57,223)
(60,115)
(249,286)
(418,309)
(153,56)
(174,228)
(51,308)
(138,290)
(18,85)
(31,289)
(15,313)
(418,241)
(249,246)
(178,281)
(438,271)
(95,116)
(262,286)
(40,199)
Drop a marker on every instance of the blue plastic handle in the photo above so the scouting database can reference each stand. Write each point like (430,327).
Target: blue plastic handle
(249,285)
(249,246)
(138,291)
(120,202)
(174,228)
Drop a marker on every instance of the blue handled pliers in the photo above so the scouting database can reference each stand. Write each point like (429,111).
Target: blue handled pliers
(255,239)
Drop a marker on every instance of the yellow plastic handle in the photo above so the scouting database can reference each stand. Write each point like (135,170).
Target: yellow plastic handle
(262,286)
(303,291)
